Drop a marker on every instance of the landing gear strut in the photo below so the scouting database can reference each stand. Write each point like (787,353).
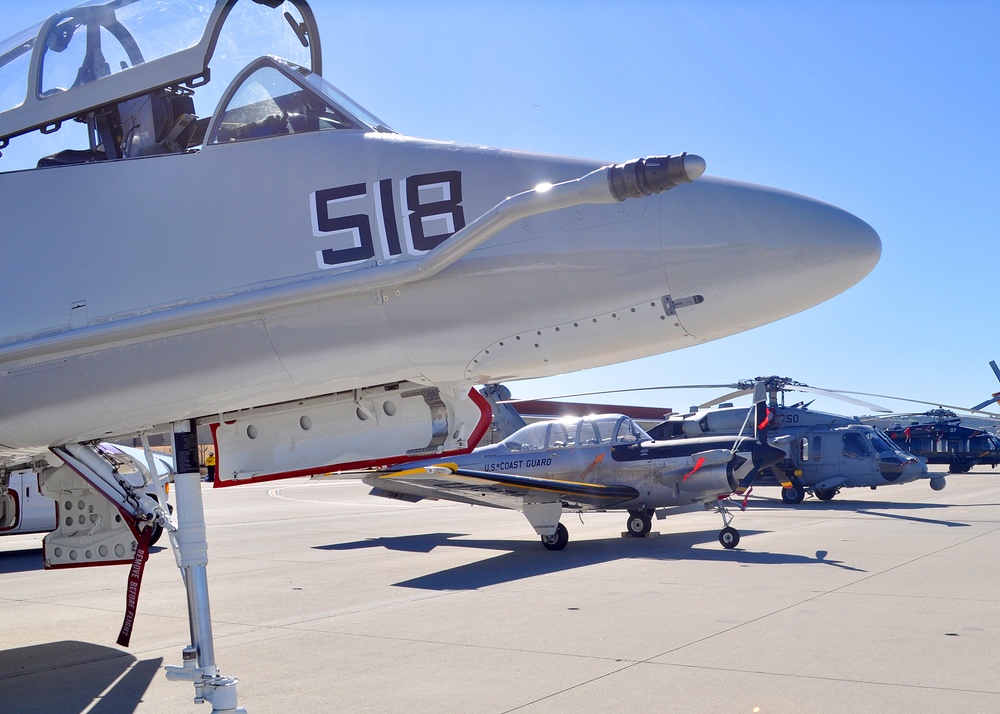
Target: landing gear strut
(729,537)
(199,666)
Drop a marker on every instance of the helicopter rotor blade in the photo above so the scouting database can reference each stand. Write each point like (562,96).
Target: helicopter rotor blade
(622,391)
(919,401)
(725,398)
(839,394)
(996,395)
(995,399)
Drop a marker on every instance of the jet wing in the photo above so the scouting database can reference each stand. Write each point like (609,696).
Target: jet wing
(448,482)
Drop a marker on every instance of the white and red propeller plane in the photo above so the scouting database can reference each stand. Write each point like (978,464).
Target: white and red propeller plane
(327,290)
(597,462)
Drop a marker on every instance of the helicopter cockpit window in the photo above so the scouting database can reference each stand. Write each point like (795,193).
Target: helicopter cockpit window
(268,103)
(854,446)
(882,444)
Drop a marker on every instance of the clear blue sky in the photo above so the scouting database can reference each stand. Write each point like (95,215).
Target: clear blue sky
(887,109)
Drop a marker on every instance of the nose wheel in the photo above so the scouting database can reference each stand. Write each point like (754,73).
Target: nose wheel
(729,537)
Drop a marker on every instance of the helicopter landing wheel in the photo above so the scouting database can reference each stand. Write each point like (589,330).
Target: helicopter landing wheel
(795,494)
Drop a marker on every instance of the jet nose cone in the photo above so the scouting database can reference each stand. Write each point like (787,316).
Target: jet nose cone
(757,253)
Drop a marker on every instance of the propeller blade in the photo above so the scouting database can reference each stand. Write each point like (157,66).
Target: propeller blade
(996,370)
(780,475)
(763,455)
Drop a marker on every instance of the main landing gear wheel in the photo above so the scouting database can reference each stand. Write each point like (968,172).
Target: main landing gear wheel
(795,494)
(825,494)
(558,540)
(639,523)
(729,537)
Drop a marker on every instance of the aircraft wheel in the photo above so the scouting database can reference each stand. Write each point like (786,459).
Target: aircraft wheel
(959,467)
(558,540)
(938,483)
(825,494)
(729,537)
(795,494)
(639,524)
(157,528)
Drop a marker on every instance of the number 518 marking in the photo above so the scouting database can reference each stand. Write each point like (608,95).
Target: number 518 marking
(431,212)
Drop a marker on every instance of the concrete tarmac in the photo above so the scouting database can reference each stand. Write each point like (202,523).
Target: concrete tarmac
(326,599)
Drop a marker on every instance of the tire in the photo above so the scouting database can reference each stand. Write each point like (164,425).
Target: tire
(729,537)
(557,541)
(793,495)
(638,524)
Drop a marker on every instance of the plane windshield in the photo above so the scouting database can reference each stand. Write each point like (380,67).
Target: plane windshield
(98,39)
(327,89)
(269,103)
(15,57)
(144,76)
(605,429)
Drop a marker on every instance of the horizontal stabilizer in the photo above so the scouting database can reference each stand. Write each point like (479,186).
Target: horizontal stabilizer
(395,495)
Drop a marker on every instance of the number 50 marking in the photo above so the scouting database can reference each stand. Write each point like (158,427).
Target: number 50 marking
(431,212)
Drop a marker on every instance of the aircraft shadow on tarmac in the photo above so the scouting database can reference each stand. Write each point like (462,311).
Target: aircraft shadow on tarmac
(526,559)
(21,561)
(74,677)
(28,559)
(882,509)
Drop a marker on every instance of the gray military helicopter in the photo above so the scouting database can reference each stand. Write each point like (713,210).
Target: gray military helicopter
(825,452)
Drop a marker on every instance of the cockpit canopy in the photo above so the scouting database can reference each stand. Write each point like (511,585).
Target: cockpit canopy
(602,429)
(103,53)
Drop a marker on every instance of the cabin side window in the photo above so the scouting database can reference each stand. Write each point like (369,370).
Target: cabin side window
(558,437)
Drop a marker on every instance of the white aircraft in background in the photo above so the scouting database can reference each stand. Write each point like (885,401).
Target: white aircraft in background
(24,509)
(327,291)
